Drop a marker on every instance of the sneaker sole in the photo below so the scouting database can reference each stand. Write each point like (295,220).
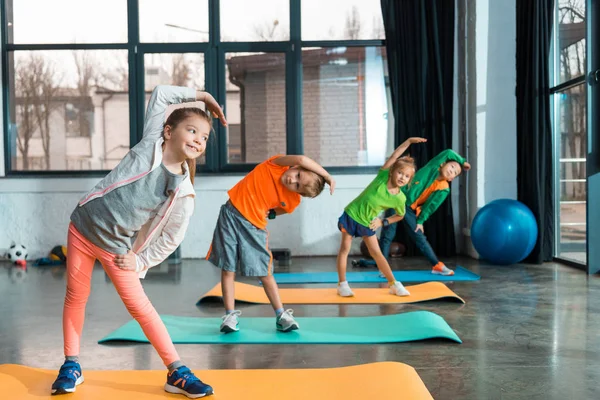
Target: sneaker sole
(291,328)
(349,295)
(228,329)
(58,391)
(176,390)
(441,273)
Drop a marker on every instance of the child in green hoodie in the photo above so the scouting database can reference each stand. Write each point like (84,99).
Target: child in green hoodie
(429,188)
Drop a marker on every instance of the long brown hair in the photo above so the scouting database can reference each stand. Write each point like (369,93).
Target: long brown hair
(177,116)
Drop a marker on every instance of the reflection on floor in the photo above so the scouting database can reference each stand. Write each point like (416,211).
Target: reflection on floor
(528,332)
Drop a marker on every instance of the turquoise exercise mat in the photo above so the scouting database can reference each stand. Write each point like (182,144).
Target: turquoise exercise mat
(460,274)
(405,327)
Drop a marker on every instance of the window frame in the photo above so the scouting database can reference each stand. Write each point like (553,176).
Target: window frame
(555,89)
(214,55)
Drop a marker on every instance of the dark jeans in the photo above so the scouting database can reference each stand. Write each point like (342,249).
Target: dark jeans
(388,234)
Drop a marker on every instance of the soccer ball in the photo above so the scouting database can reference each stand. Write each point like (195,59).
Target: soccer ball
(17,252)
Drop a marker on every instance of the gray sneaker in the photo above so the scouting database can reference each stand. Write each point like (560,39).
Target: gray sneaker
(286,322)
(230,322)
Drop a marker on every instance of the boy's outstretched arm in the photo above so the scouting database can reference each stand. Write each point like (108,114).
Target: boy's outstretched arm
(309,164)
(449,155)
(401,149)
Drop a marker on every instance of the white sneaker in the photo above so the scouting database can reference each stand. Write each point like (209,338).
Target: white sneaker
(230,322)
(344,290)
(441,269)
(398,289)
(286,322)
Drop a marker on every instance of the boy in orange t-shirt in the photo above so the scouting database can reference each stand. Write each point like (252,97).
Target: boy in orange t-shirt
(240,240)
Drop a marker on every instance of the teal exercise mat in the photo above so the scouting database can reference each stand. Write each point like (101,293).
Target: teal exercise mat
(460,274)
(405,327)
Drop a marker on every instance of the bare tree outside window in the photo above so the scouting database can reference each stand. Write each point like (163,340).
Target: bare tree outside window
(36,84)
(87,79)
(269,31)
(341,20)
(117,76)
(378,28)
(352,27)
(180,72)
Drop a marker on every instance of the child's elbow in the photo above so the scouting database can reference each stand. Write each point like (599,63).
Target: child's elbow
(302,159)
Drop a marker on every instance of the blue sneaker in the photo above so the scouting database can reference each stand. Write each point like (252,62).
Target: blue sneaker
(69,377)
(183,381)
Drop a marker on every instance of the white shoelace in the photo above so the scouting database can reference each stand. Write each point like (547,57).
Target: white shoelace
(228,316)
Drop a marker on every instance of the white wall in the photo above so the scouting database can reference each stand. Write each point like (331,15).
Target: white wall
(500,103)
(493,136)
(35,212)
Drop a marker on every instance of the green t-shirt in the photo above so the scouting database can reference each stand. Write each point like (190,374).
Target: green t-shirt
(374,199)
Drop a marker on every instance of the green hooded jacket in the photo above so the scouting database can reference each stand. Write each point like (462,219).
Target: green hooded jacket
(424,178)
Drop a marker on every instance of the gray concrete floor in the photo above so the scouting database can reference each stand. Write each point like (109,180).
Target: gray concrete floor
(529,332)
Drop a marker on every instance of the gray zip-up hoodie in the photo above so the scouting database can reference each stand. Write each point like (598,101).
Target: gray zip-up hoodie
(160,236)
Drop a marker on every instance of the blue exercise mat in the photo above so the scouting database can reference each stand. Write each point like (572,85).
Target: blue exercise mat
(460,274)
(405,327)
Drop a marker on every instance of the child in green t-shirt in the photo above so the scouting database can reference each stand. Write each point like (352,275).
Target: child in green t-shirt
(427,191)
(360,216)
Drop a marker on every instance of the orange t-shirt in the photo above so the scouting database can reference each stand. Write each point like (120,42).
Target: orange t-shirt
(436,185)
(262,190)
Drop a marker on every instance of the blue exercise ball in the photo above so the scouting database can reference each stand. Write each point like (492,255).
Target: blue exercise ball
(504,232)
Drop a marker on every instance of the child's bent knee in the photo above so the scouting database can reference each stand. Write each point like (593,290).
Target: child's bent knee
(227,274)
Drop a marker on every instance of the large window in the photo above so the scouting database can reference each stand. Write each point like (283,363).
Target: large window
(255,21)
(570,130)
(256,106)
(341,20)
(181,21)
(294,76)
(67,105)
(345,106)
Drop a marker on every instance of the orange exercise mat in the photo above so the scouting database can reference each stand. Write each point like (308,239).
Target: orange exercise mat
(384,380)
(256,294)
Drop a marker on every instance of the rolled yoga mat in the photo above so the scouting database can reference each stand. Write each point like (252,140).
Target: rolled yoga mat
(460,274)
(346,383)
(406,327)
(256,294)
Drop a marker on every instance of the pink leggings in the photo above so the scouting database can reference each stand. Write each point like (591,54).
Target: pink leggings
(81,255)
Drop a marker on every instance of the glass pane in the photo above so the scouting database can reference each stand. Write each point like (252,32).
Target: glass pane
(180,21)
(178,69)
(66,21)
(571,39)
(69,109)
(341,20)
(255,106)
(571,133)
(255,21)
(345,108)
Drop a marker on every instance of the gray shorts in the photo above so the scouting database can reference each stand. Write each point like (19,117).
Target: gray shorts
(238,246)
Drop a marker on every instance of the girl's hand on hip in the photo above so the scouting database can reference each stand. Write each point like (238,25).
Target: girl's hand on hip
(127,261)
(375,224)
